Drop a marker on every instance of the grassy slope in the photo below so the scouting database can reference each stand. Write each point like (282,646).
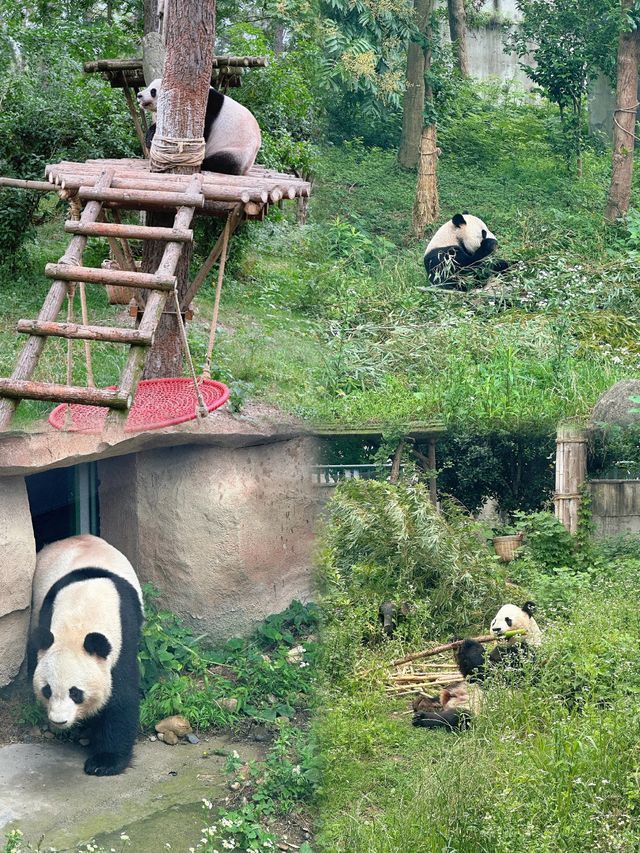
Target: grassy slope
(333,321)
(549,767)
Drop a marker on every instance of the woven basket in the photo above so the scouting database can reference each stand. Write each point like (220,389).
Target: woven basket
(506,546)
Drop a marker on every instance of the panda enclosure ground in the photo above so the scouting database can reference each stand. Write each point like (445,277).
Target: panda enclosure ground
(332,321)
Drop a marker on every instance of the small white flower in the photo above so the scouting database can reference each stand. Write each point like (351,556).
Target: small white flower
(124,836)
(226,823)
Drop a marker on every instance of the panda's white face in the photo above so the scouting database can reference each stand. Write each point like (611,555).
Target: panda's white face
(508,618)
(72,685)
(474,232)
(148,98)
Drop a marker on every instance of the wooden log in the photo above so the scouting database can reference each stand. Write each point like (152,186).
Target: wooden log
(205,269)
(437,650)
(147,281)
(32,349)
(84,332)
(571,474)
(21,389)
(144,198)
(132,232)
(18,183)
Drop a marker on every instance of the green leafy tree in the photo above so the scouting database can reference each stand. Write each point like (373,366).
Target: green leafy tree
(563,45)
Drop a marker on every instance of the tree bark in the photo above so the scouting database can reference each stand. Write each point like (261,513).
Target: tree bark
(415,93)
(181,108)
(427,204)
(458,31)
(624,122)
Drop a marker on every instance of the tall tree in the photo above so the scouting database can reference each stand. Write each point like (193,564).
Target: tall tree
(624,117)
(458,31)
(189,38)
(570,41)
(415,92)
(427,205)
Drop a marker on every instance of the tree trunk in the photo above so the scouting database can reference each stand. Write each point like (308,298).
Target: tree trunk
(624,122)
(427,205)
(458,31)
(181,108)
(415,93)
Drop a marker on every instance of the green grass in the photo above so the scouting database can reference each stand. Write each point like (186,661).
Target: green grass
(333,321)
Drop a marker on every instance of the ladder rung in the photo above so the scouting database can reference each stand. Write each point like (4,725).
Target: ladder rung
(143,198)
(85,333)
(130,232)
(72,272)
(22,389)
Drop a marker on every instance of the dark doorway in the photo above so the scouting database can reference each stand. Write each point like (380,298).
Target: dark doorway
(64,502)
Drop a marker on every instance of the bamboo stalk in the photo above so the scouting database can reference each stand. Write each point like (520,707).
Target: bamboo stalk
(488,638)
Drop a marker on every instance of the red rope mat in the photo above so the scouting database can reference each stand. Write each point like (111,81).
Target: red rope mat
(157,403)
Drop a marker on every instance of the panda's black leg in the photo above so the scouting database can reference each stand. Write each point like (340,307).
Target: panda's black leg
(113,734)
(224,162)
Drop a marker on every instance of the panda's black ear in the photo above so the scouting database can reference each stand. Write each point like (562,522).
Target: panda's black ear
(465,213)
(97,644)
(529,607)
(458,220)
(41,639)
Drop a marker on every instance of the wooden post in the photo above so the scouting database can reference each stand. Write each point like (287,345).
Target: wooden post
(190,36)
(433,486)
(427,205)
(571,473)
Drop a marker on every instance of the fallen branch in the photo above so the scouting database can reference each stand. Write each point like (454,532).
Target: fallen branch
(489,638)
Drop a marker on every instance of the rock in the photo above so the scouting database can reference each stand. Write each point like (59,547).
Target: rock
(49,735)
(260,734)
(84,741)
(177,724)
(235,786)
(34,731)
(193,738)
(296,654)
(171,738)
(230,704)
(161,736)
(614,406)
(153,738)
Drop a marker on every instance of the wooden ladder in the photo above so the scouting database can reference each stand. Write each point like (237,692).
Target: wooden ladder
(69,269)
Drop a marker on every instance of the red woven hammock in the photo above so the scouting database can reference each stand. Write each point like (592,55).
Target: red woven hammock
(157,403)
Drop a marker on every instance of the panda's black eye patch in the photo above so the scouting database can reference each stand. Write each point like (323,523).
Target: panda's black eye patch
(509,621)
(484,234)
(153,93)
(77,695)
(46,691)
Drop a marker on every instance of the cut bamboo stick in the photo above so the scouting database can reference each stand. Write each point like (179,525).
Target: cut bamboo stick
(489,638)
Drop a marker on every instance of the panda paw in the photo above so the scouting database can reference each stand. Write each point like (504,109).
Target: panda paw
(105,764)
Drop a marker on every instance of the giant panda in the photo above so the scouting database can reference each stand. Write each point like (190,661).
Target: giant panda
(231,133)
(462,700)
(461,243)
(87,612)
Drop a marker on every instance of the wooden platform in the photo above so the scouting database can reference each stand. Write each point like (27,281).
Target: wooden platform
(134,187)
(226,72)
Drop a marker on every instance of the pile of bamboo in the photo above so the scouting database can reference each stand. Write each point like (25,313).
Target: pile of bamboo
(134,186)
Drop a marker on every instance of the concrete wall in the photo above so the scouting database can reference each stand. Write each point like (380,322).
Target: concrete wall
(17,564)
(226,534)
(615,506)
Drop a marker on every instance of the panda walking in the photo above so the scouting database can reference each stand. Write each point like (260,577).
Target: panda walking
(87,613)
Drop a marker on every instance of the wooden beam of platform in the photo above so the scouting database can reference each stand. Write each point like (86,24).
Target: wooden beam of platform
(143,198)
(147,281)
(21,389)
(131,232)
(85,333)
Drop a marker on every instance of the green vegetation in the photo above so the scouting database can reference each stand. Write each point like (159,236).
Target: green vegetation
(550,766)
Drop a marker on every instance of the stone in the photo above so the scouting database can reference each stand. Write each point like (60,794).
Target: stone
(34,731)
(161,736)
(614,406)
(296,654)
(171,738)
(177,724)
(226,534)
(193,738)
(153,738)
(84,741)
(17,565)
(49,735)
(229,704)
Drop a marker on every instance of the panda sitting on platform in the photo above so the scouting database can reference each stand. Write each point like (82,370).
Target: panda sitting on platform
(231,133)
(459,245)
(462,700)
(86,619)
